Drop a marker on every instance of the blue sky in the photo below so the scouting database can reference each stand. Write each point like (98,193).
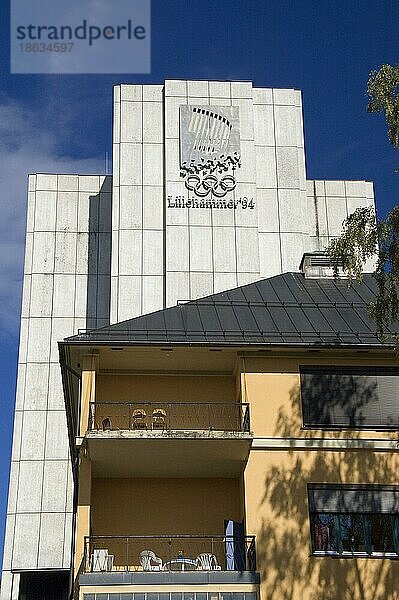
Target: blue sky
(63,123)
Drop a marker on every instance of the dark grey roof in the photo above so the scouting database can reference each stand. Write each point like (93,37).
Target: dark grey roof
(282,310)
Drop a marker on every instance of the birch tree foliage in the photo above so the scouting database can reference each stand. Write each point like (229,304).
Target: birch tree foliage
(365,236)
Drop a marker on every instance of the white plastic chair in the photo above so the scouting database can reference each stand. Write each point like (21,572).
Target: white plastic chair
(149,561)
(101,560)
(207,562)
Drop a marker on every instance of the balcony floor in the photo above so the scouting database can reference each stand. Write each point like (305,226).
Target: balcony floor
(165,453)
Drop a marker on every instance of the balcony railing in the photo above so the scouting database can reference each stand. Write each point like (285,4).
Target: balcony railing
(216,416)
(168,553)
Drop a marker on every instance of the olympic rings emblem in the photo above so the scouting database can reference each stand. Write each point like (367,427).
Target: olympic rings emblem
(210,183)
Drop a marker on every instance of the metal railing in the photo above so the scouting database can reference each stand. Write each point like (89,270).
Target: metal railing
(168,553)
(168,416)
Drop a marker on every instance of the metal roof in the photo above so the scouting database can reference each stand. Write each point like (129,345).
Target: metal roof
(284,310)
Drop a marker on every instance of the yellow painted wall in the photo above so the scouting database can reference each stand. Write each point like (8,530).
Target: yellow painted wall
(164,506)
(137,507)
(161,388)
(272,387)
(277,513)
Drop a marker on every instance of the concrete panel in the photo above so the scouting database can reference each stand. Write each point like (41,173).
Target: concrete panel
(129,297)
(241,89)
(30,485)
(176,216)
(116,123)
(172,161)
(286,96)
(153,93)
(153,122)
(153,252)
(292,248)
(175,87)
(268,217)
(247,172)
(223,218)
(25,541)
(83,211)
(266,170)
(33,435)
(202,216)
(152,293)
(30,212)
(45,211)
(246,217)
(104,254)
(269,254)
(39,340)
(28,253)
(334,188)
(80,296)
(247,250)
(246,278)
(177,242)
(55,393)
(201,284)
(224,248)
(105,211)
(55,486)
(262,95)
(61,328)
(132,92)
(51,543)
(224,281)
(336,213)
(116,161)
(36,386)
(67,211)
(64,295)
(65,252)
(43,252)
(177,288)
(41,295)
(263,125)
(292,211)
(26,296)
(8,544)
(369,189)
(13,488)
(152,164)
(89,183)
(56,436)
(246,118)
(66,560)
(131,122)
(219,89)
(354,203)
(172,105)
(130,252)
(46,182)
(355,188)
(286,125)
(198,89)
(23,340)
(287,167)
(153,207)
(131,164)
(20,392)
(17,435)
(82,252)
(200,249)
(68,183)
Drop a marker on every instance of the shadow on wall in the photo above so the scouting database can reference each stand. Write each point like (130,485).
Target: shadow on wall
(99,257)
(284,541)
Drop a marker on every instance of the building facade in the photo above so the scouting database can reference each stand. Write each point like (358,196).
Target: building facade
(208,192)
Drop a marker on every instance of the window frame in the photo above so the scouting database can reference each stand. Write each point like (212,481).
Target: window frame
(394,517)
(345,370)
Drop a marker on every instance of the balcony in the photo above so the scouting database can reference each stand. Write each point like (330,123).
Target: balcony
(169,416)
(174,439)
(168,559)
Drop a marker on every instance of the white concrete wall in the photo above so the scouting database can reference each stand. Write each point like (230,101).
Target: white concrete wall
(66,287)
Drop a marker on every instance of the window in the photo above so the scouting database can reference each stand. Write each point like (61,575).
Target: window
(357,397)
(44,585)
(354,520)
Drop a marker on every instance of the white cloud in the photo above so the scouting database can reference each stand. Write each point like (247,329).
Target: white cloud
(25,147)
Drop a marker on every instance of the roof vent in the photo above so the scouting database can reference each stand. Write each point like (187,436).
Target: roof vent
(317,265)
